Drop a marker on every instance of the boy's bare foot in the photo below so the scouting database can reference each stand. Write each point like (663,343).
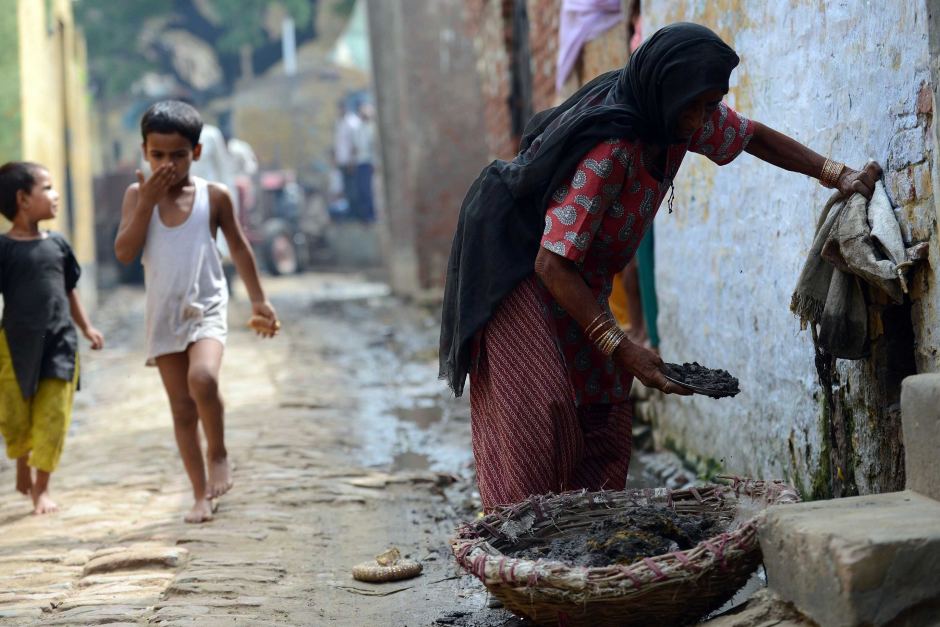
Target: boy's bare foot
(43,503)
(24,476)
(220,478)
(200,513)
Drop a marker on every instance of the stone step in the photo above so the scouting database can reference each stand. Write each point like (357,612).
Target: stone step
(920,418)
(865,560)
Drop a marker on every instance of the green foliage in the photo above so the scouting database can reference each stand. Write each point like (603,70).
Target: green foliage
(114,31)
(242,21)
(344,8)
(10,115)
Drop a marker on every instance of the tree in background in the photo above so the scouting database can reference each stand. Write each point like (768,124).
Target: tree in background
(131,38)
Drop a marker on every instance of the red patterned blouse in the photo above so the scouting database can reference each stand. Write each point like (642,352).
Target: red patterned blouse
(598,220)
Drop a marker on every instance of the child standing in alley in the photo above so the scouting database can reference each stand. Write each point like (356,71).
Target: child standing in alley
(173,217)
(38,343)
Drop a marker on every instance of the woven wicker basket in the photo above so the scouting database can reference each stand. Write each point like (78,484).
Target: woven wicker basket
(673,589)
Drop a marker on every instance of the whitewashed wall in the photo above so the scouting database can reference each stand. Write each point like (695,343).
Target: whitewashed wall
(844,78)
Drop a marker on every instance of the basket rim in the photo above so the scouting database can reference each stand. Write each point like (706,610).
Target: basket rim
(478,556)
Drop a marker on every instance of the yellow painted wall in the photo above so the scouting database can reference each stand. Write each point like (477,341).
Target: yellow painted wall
(54,101)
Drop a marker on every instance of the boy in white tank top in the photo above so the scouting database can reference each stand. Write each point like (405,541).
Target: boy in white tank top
(173,218)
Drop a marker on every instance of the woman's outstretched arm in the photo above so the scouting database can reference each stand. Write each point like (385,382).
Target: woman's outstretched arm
(785,152)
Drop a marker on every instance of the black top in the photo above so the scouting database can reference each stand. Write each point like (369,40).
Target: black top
(36,277)
(503,214)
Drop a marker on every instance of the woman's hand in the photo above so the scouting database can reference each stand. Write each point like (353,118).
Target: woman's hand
(863,182)
(646,366)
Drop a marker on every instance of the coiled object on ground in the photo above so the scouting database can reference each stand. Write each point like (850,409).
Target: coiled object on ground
(389,566)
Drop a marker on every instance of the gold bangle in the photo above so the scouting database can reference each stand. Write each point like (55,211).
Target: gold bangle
(831,171)
(591,323)
(825,176)
(598,330)
(600,343)
(614,342)
(609,341)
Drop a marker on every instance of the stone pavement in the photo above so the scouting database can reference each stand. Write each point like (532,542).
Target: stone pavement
(344,444)
(317,489)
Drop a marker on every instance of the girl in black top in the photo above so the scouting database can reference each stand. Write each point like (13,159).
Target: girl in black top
(38,344)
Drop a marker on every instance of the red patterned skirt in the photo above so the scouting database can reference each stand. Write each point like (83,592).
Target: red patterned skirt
(529,436)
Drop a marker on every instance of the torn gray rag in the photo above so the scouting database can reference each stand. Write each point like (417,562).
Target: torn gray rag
(855,239)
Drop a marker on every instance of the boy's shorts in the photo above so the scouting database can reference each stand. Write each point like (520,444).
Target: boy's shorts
(35,425)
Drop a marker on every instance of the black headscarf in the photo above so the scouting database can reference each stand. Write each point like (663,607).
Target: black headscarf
(503,214)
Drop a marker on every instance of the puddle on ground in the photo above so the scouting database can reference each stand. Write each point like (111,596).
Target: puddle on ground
(422,417)
(401,412)
(410,461)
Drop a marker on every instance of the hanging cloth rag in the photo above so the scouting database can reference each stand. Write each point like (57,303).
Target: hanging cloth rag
(582,21)
(856,239)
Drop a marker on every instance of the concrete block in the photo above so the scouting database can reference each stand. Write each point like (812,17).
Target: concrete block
(857,561)
(920,421)
(354,244)
(763,609)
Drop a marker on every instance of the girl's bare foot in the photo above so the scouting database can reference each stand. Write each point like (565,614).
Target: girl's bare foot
(43,503)
(24,476)
(220,478)
(201,511)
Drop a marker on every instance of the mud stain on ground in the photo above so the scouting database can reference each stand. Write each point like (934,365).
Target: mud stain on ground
(422,417)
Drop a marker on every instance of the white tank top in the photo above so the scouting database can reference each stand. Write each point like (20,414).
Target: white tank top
(187,295)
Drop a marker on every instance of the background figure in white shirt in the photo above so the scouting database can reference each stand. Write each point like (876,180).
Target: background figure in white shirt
(216,164)
(246,168)
(364,142)
(344,151)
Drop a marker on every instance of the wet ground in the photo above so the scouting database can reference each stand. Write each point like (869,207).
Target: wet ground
(344,444)
(344,441)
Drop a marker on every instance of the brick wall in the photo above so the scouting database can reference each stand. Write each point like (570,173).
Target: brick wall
(430,119)
(435,141)
(544,18)
(488,24)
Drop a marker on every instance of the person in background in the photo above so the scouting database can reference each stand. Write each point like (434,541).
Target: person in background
(245,169)
(336,204)
(364,141)
(633,301)
(38,344)
(625,304)
(344,151)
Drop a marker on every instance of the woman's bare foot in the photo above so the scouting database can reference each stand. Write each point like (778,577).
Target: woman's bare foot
(43,503)
(200,513)
(220,478)
(24,476)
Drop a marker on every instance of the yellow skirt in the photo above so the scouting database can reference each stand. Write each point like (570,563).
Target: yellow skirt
(34,426)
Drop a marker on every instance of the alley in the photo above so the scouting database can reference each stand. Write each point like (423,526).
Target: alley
(344,444)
